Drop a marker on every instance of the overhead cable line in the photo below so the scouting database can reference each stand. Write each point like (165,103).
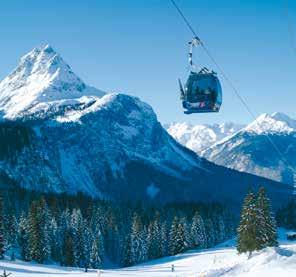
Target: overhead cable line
(235,90)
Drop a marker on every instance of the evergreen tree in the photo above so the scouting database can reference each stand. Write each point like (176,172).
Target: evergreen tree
(164,240)
(68,258)
(247,230)
(181,236)
(87,243)
(257,227)
(221,232)
(210,233)
(126,259)
(177,243)
(23,238)
(97,251)
(138,243)
(173,236)
(154,238)
(38,231)
(77,226)
(54,239)
(10,228)
(266,233)
(2,244)
(187,236)
(198,235)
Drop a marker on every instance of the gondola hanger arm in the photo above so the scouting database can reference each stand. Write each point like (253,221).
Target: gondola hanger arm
(193,43)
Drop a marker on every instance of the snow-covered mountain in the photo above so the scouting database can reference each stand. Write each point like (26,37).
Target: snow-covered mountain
(57,134)
(41,78)
(202,136)
(251,150)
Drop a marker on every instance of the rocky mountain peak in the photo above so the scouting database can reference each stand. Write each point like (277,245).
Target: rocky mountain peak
(42,76)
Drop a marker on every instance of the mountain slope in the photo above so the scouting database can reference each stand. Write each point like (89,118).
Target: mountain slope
(110,146)
(250,149)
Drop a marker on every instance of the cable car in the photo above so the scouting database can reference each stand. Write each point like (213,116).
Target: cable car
(202,92)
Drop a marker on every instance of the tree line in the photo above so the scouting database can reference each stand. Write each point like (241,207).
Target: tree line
(286,215)
(80,231)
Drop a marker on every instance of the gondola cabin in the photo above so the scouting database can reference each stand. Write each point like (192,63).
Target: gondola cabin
(202,92)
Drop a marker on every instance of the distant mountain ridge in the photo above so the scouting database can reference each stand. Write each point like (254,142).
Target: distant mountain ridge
(249,150)
(201,136)
(59,135)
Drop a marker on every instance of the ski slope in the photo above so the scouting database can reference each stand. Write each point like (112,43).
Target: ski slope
(219,261)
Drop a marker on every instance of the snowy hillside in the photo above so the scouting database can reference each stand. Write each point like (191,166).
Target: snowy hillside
(250,150)
(60,135)
(201,137)
(219,261)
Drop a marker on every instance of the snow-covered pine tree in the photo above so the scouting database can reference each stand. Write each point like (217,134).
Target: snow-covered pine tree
(221,234)
(95,259)
(54,238)
(97,251)
(150,241)
(39,245)
(23,238)
(68,258)
(185,227)
(197,232)
(111,235)
(100,241)
(173,236)
(247,229)
(138,241)
(266,225)
(154,238)
(177,243)
(10,227)
(77,227)
(2,244)
(144,246)
(181,241)
(87,243)
(126,259)
(164,240)
(46,221)
(210,232)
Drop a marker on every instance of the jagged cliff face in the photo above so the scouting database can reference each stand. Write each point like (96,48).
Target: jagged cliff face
(58,134)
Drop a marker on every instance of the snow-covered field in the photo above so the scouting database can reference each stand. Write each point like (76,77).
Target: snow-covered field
(219,261)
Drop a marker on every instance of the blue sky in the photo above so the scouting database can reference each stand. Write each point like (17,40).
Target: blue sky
(140,48)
